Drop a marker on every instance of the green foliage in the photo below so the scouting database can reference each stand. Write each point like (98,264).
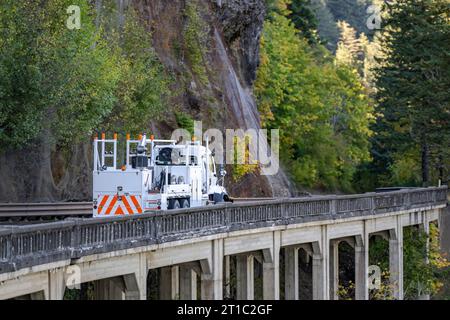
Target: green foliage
(359,53)
(378,255)
(249,165)
(195,40)
(330,12)
(423,273)
(405,169)
(321,109)
(19,77)
(51,77)
(350,50)
(346,292)
(85,292)
(62,83)
(377,252)
(304,19)
(185,121)
(144,84)
(351,11)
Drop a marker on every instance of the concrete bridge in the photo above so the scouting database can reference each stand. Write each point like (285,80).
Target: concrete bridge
(193,252)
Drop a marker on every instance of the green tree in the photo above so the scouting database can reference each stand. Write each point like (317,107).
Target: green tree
(52,79)
(351,11)
(143,88)
(327,24)
(304,19)
(19,75)
(196,40)
(321,108)
(350,48)
(358,53)
(59,85)
(424,269)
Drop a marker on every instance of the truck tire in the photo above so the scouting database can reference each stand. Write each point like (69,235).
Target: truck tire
(176,204)
(184,203)
(173,204)
(218,197)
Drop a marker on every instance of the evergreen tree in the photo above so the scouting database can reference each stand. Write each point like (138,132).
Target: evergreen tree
(330,12)
(352,11)
(304,19)
(349,50)
(327,24)
(359,53)
(413,84)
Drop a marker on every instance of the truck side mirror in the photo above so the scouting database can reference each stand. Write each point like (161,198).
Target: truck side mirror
(222,171)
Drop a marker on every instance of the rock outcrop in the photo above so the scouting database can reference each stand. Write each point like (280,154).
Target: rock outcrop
(242,21)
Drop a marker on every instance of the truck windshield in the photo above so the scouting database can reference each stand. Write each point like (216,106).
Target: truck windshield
(173,157)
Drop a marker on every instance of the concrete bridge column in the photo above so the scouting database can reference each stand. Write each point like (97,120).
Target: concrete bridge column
(169,283)
(126,287)
(271,269)
(334,269)
(291,273)
(245,287)
(362,267)
(188,283)
(134,289)
(212,273)
(396,260)
(318,272)
(56,284)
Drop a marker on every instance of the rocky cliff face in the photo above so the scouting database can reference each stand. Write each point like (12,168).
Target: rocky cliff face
(242,22)
(218,91)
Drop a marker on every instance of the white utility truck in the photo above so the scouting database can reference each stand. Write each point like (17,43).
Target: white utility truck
(158,175)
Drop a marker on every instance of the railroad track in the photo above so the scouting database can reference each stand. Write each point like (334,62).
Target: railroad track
(50,211)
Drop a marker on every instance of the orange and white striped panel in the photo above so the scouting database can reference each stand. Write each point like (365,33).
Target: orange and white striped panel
(109,205)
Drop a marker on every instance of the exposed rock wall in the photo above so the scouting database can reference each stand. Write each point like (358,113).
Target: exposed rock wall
(242,21)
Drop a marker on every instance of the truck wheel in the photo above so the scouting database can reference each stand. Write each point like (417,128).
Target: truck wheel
(184,203)
(173,204)
(176,204)
(218,197)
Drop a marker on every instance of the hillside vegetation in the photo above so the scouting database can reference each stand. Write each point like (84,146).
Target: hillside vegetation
(364,107)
